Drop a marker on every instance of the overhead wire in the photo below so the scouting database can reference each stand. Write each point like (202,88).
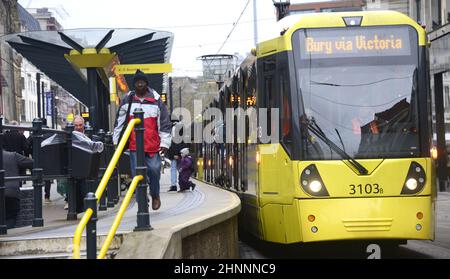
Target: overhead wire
(234,26)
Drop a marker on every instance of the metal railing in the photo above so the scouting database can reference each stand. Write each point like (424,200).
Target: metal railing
(101,187)
(37,173)
(90,217)
(119,216)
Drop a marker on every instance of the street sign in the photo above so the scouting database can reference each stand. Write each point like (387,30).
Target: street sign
(130,69)
(164,98)
(48,103)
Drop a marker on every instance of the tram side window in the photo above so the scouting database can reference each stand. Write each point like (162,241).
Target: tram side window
(269,92)
(269,101)
(285,113)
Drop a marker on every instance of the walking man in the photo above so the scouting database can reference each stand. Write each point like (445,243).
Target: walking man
(157,125)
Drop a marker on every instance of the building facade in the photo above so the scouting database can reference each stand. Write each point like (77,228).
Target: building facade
(58,104)
(9,66)
(28,108)
(46,19)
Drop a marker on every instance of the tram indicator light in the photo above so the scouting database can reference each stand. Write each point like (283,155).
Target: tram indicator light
(353,21)
(251,101)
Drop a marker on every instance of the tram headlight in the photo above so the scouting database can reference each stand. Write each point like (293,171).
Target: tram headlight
(311,182)
(315,186)
(415,180)
(411,184)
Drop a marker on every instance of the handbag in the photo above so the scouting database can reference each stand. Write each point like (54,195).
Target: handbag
(125,124)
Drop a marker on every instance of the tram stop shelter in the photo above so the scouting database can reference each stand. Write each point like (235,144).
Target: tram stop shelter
(83,60)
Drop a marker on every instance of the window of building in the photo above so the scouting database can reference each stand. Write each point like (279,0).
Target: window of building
(447,12)
(436,15)
(419,11)
(291,12)
(447,98)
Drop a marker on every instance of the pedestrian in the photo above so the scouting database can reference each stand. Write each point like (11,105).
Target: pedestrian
(173,154)
(15,141)
(157,138)
(13,162)
(78,123)
(80,184)
(186,170)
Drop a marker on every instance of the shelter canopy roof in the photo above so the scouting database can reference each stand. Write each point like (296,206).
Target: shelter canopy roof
(46,50)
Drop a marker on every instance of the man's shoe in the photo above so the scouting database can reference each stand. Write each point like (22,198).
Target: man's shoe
(156,203)
(172,188)
(47,200)
(193,186)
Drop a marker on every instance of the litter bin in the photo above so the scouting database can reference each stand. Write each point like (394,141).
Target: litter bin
(53,156)
(86,155)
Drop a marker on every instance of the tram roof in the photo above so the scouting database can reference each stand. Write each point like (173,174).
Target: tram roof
(46,50)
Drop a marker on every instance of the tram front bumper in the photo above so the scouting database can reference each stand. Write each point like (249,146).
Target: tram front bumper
(367,218)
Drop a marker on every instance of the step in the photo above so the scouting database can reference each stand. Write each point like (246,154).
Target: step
(49,247)
(110,254)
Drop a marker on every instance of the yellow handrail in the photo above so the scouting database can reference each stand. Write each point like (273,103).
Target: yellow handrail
(79,232)
(101,187)
(112,164)
(119,216)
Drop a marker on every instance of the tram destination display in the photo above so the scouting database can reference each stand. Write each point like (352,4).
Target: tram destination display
(355,42)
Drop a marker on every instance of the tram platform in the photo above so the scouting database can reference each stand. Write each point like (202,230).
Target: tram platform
(192,224)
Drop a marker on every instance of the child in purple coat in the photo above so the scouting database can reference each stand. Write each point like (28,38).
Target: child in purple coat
(186,169)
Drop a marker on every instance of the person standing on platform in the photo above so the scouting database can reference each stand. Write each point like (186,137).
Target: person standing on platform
(186,170)
(174,156)
(157,137)
(78,125)
(15,141)
(13,162)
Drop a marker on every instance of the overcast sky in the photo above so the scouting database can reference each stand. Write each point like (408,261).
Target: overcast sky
(200,27)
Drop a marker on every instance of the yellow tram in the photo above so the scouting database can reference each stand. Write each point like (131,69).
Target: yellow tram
(352,160)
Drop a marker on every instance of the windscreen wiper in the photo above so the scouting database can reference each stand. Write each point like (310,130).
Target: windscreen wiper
(315,129)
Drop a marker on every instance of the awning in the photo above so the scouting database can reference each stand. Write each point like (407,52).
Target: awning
(46,49)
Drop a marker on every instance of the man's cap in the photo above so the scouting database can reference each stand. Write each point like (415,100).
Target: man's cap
(139,75)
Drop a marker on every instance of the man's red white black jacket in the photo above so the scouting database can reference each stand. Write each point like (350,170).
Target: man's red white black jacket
(157,122)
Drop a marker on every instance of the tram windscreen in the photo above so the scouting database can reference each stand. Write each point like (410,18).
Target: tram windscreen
(359,85)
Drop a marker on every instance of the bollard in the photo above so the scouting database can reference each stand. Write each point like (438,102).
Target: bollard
(143,216)
(37,172)
(72,187)
(110,189)
(91,228)
(3,227)
(102,169)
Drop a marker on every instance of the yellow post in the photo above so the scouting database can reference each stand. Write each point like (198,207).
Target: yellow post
(119,216)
